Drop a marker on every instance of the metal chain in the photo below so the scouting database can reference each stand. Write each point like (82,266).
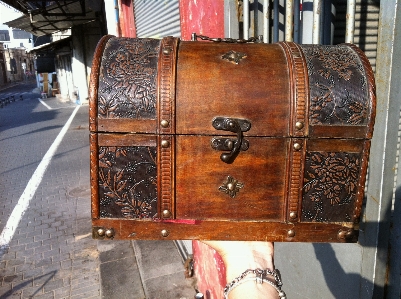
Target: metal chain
(258,39)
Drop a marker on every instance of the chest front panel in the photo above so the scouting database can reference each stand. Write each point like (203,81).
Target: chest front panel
(248,189)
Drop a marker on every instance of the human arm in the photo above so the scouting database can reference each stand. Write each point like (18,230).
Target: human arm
(238,256)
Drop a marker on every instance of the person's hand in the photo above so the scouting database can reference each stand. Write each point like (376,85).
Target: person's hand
(239,256)
(246,254)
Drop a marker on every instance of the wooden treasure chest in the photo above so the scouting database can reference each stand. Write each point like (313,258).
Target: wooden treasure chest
(229,141)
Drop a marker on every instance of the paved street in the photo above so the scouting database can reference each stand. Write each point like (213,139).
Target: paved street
(51,253)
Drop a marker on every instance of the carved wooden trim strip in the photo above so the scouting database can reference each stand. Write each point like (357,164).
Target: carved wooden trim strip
(297,152)
(299,81)
(300,122)
(94,82)
(166,124)
(166,85)
(284,46)
(298,125)
(94,174)
(166,148)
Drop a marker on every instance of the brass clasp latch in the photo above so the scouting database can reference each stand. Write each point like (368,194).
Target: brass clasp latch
(233,145)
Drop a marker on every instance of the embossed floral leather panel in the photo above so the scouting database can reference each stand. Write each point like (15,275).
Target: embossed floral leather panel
(127,182)
(128,73)
(338,86)
(229,141)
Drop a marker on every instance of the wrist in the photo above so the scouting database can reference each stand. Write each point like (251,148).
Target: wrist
(265,284)
(258,256)
(241,256)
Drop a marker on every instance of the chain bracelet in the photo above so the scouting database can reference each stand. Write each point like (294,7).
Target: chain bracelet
(258,39)
(261,277)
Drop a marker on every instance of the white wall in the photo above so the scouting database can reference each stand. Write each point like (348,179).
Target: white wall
(8,14)
(111,16)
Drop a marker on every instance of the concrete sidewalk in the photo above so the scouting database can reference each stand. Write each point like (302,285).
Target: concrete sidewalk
(143,269)
(52,254)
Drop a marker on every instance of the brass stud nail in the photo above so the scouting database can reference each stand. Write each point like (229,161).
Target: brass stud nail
(297,146)
(341,234)
(164,123)
(165,233)
(166,213)
(109,233)
(231,186)
(293,215)
(349,234)
(291,233)
(166,51)
(100,232)
(299,125)
(165,143)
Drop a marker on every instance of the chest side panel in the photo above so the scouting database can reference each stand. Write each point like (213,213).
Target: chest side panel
(341,118)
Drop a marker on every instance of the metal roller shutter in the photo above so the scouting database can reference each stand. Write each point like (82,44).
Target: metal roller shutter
(366,26)
(156,18)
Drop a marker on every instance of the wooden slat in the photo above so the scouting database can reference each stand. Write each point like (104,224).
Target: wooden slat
(124,125)
(335,145)
(127,140)
(225,230)
(338,131)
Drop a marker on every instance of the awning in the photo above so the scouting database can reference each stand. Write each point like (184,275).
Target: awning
(51,46)
(41,19)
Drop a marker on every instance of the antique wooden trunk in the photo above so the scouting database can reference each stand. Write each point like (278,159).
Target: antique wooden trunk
(229,141)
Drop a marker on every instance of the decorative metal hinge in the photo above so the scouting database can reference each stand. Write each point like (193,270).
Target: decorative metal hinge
(234,125)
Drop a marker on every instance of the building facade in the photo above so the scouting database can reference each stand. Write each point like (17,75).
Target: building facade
(74,28)
(15,38)
(15,65)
